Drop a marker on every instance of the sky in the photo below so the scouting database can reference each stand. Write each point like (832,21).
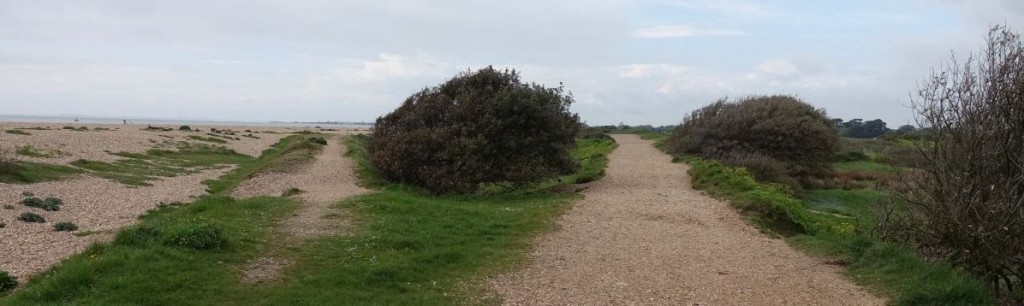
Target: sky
(633,62)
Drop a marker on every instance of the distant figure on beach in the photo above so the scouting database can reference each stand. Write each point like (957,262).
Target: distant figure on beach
(125,121)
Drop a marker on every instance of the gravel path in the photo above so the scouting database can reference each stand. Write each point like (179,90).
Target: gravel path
(324,182)
(642,235)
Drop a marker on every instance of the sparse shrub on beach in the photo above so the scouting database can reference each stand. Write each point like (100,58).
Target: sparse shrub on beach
(50,204)
(68,127)
(31,218)
(7,282)
(32,202)
(3,225)
(8,206)
(18,132)
(318,140)
(65,227)
(184,128)
(477,128)
(157,129)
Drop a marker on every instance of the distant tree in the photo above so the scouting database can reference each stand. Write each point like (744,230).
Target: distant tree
(858,128)
(478,127)
(906,129)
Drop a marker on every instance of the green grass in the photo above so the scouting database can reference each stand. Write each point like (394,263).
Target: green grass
(886,268)
(412,248)
(140,268)
(33,152)
(866,166)
(593,157)
(29,172)
(207,139)
(855,203)
(139,169)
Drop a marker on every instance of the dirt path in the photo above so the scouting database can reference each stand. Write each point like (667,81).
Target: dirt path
(324,182)
(642,235)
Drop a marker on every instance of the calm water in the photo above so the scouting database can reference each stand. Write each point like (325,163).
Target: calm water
(101,120)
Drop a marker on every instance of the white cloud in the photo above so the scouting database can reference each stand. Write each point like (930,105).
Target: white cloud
(778,67)
(677,31)
(396,66)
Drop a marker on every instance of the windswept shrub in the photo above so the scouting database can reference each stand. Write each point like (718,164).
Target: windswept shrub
(185,128)
(782,128)
(966,203)
(478,127)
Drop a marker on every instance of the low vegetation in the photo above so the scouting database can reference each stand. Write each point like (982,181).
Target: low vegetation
(207,139)
(841,233)
(19,172)
(65,227)
(49,204)
(7,282)
(478,128)
(17,132)
(412,247)
(38,153)
(31,217)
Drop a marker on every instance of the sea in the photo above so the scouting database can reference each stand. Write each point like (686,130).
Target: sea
(111,120)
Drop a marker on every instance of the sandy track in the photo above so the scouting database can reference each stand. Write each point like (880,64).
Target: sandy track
(324,182)
(642,235)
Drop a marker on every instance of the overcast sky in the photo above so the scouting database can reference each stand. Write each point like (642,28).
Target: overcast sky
(637,62)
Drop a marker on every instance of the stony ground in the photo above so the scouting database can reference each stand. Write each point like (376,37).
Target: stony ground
(70,145)
(94,204)
(642,235)
(98,206)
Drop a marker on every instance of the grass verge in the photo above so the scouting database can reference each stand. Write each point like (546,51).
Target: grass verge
(884,267)
(412,248)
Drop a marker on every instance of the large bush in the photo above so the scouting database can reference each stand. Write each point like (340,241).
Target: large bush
(967,202)
(775,137)
(479,127)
